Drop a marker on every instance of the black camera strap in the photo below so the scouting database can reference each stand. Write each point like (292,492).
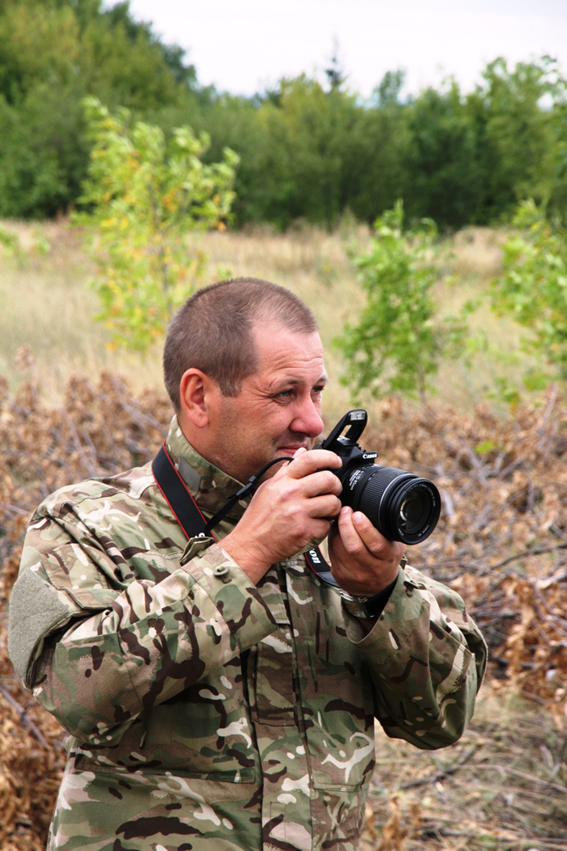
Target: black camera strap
(319,565)
(177,495)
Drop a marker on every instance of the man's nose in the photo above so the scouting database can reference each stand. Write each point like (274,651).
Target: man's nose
(308,419)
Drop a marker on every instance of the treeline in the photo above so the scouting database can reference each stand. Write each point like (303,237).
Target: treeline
(307,151)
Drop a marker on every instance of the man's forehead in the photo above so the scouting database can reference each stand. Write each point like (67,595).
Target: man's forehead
(279,344)
(293,380)
(290,355)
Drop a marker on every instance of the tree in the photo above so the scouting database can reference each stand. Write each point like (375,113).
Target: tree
(309,132)
(398,340)
(145,194)
(376,150)
(441,159)
(52,54)
(520,142)
(532,288)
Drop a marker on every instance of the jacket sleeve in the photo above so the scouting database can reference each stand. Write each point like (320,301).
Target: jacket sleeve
(96,655)
(426,658)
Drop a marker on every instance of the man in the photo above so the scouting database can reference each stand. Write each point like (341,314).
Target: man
(218,695)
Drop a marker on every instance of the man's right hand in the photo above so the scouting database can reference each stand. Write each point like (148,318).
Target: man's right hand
(287,512)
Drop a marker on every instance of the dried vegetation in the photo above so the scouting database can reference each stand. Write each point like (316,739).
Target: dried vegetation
(502,542)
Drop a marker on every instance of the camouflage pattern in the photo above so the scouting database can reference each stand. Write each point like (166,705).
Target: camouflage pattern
(206,713)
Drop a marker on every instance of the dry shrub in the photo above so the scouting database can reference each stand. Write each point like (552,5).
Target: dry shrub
(501,787)
(100,429)
(501,541)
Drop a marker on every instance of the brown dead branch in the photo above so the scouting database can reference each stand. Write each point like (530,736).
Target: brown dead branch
(443,772)
(23,716)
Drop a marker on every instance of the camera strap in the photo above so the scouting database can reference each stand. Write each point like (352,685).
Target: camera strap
(320,566)
(184,509)
(177,495)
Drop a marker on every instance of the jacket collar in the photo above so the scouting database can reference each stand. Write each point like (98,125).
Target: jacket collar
(208,485)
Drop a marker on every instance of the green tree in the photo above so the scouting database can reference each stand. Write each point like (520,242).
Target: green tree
(145,194)
(520,141)
(399,339)
(441,159)
(532,288)
(52,54)
(232,121)
(376,150)
(307,131)
(294,144)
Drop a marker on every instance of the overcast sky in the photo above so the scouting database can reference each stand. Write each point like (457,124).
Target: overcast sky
(245,46)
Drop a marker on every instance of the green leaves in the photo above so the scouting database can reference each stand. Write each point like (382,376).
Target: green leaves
(145,195)
(533,285)
(54,53)
(399,338)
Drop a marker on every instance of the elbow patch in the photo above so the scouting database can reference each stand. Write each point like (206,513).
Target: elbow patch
(34,612)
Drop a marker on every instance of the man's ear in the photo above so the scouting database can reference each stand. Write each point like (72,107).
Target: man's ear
(196,391)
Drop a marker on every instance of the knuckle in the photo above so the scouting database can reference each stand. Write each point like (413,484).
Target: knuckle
(356,547)
(330,482)
(337,505)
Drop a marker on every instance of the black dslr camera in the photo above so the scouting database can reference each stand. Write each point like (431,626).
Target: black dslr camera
(402,506)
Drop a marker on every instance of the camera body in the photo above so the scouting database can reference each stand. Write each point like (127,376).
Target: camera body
(402,506)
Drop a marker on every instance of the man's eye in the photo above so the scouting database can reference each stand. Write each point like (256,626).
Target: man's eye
(285,394)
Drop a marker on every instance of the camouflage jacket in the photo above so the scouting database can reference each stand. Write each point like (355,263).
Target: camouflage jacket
(207,713)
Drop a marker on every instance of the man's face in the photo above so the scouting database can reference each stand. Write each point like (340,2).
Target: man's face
(278,409)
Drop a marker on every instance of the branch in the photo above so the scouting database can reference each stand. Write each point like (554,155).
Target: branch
(442,773)
(537,551)
(23,717)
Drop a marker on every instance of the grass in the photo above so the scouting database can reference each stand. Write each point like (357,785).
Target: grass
(502,787)
(49,309)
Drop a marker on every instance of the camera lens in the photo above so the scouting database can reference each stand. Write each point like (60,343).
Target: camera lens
(402,506)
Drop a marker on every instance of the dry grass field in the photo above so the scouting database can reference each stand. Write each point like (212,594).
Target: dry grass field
(48,307)
(502,539)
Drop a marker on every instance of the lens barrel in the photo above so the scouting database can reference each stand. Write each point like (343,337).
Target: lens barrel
(402,506)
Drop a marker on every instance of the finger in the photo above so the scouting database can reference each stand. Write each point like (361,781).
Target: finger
(321,482)
(379,546)
(320,528)
(306,461)
(358,532)
(327,506)
(349,536)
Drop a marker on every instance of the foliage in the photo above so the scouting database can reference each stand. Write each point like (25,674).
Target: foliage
(533,285)
(398,340)
(521,139)
(9,242)
(145,195)
(441,159)
(309,152)
(52,54)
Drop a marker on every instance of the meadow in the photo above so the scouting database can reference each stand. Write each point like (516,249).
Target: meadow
(49,308)
(70,406)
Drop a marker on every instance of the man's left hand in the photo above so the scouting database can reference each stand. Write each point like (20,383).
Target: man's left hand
(363,561)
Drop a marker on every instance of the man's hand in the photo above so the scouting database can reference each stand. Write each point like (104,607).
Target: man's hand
(287,511)
(363,561)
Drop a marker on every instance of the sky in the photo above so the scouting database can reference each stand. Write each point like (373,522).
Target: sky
(247,46)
